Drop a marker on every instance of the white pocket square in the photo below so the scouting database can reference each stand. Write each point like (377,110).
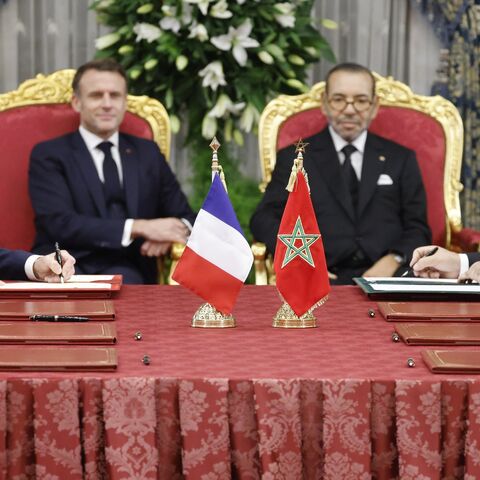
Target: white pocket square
(384,179)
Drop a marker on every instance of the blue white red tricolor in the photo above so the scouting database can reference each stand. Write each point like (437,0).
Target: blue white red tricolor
(217,258)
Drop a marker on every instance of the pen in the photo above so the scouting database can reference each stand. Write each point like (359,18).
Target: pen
(433,251)
(58,257)
(58,318)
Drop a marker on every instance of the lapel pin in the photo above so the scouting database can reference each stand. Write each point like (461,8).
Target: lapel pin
(381,158)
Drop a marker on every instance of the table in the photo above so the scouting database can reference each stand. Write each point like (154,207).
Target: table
(335,402)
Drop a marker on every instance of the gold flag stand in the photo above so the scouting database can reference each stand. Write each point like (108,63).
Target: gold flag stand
(287,318)
(207,316)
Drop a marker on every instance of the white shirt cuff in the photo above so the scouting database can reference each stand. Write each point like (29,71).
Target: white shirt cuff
(464,264)
(127,232)
(29,267)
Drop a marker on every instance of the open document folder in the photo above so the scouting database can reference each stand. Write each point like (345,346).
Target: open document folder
(416,288)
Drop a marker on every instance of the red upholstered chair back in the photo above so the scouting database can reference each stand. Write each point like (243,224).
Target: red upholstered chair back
(431,126)
(40,110)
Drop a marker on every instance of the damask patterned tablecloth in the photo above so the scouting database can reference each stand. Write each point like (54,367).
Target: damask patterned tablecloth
(335,402)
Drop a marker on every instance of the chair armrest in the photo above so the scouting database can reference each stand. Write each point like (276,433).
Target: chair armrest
(263,263)
(466,240)
(175,254)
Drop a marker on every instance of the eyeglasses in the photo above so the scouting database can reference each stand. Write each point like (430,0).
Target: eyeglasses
(340,103)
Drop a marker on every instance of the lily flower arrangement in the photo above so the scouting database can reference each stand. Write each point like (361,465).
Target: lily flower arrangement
(213,63)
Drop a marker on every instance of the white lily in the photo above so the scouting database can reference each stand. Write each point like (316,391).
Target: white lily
(213,75)
(170,20)
(220,10)
(202,5)
(238,40)
(198,31)
(285,16)
(209,127)
(225,106)
(106,41)
(250,117)
(147,31)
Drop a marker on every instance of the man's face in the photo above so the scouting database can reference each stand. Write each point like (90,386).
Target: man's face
(101,102)
(349,105)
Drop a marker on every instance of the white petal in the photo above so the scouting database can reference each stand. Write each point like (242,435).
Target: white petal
(240,55)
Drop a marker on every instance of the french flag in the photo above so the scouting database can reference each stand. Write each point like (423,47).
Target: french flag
(217,258)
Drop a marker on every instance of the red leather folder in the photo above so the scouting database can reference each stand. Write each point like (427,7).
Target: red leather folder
(36,358)
(45,333)
(22,309)
(430,311)
(439,334)
(91,289)
(452,361)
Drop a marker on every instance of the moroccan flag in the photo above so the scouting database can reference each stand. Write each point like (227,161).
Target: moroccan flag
(217,258)
(300,267)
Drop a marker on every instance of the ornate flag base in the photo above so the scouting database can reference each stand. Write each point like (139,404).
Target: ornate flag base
(286,318)
(207,316)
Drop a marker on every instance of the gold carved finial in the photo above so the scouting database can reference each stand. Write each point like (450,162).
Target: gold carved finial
(300,146)
(216,167)
(297,165)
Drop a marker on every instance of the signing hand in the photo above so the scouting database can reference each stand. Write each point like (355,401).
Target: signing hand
(442,264)
(46,268)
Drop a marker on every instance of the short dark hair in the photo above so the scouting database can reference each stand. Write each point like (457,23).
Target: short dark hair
(352,68)
(100,64)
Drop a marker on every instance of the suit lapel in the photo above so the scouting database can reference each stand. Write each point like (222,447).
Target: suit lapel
(373,166)
(324,159)
(129,157)
(87,167)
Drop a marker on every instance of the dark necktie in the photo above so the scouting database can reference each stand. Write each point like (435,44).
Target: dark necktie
(349,174)
(113,190)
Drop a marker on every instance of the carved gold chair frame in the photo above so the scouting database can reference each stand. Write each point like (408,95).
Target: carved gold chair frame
(391,93)
(56,88)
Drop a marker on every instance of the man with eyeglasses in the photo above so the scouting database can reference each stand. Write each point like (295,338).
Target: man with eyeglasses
(367,191)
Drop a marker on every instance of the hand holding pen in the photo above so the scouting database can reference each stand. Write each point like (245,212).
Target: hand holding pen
(435,262)
(48,269)
(58,258)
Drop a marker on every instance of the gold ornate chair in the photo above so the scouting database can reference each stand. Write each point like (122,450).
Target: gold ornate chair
(429,125)
(39,110)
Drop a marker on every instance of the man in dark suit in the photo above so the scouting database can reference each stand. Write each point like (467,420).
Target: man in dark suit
(20,265)
(110,198)
(445,264)
(367,191)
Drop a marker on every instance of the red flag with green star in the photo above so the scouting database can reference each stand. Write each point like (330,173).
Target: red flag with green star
(300,266)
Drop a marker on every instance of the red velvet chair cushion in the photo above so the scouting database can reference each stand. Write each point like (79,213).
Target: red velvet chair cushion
(20,129)
(410,128)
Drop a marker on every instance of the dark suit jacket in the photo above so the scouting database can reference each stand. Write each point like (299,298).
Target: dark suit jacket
(473,257)
(12,264)
(69,202)
(389,217)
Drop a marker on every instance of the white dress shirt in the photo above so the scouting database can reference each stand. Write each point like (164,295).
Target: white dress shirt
(357,157)
(91,141)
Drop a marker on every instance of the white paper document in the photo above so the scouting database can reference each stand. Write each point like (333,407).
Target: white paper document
(90,278)
(54,286)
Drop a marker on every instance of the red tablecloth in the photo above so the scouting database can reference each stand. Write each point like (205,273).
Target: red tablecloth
(335,402)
